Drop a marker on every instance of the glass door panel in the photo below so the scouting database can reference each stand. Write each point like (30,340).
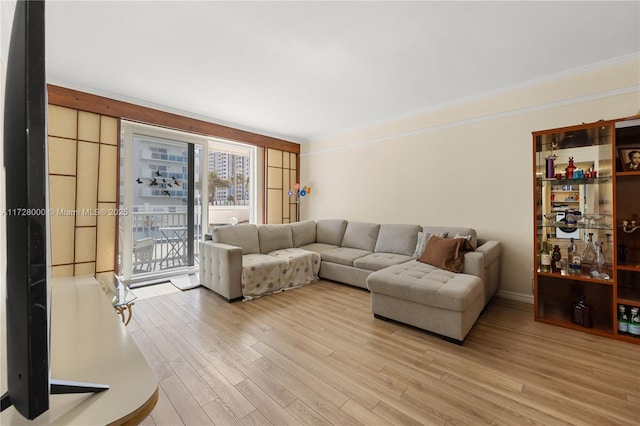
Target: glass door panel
(230,183)
(162,188)
(160,191)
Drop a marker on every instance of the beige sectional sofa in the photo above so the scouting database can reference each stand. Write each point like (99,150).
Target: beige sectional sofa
(246,261)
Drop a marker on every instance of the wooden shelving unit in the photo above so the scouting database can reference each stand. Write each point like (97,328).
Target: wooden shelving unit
(614,196)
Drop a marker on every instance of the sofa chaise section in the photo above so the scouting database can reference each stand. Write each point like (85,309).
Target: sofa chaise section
(427,297)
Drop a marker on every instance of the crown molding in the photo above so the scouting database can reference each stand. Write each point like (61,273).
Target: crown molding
(518,111)
(502,90)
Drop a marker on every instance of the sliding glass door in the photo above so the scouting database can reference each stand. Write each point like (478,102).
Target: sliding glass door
(161,175)
(176,186)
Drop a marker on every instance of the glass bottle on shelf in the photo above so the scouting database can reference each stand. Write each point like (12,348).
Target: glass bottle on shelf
(582,313)
(599,268)
(588,255)
(623,320)
(634,322)
(570,168)
(555,259)
(545,258)
(573,258)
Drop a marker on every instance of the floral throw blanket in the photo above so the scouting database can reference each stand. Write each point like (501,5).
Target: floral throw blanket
(278,270)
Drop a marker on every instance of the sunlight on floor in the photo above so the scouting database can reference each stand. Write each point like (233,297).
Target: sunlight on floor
(155,290)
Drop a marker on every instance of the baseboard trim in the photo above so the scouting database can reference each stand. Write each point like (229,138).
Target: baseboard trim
(515,296)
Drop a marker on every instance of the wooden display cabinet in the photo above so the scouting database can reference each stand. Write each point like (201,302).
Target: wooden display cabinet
(596,197)
(627,190)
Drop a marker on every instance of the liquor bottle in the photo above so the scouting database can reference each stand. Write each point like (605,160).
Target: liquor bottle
(588,255)
(573,258)
(545,258)
(623,320)
(555,259)
(634,322)
(570,168)
(582,313)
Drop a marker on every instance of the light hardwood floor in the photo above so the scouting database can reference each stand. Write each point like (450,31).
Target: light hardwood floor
(316,355)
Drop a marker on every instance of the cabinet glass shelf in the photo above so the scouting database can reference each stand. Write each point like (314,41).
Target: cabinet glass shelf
(585,181)
(566,228)
(582,277)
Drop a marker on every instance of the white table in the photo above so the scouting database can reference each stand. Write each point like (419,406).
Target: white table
(90,344)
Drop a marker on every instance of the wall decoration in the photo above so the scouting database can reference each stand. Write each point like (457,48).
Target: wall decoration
(159,180)
(629,159)
(299,192)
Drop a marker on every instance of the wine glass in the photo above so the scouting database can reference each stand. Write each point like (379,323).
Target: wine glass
(551,218)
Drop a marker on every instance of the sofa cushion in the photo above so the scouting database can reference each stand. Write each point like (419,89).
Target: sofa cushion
(319,247)
(244,236)
(467,237)
(452,231)
(421,243)
(330,231)
(274,237)
(377,261)
(303,233)
(343,255)
(397,238)
(361,235)
(445,253)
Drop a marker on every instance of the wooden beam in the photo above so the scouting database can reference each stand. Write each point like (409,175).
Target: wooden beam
(70,98)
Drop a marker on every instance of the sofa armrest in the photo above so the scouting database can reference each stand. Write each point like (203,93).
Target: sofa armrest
(492,253)
(474,264)
(221,269)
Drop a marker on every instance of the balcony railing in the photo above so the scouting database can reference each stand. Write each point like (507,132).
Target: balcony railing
(160,241)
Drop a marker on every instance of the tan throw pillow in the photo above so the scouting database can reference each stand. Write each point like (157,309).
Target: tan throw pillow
(421,243)
(444,253)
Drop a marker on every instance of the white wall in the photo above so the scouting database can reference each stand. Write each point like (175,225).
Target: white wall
(468,164)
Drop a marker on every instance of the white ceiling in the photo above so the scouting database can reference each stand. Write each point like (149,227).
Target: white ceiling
(300,70)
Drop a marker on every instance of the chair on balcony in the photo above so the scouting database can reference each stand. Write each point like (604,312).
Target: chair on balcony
(144,255)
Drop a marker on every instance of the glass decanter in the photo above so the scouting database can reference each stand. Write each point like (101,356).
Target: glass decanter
(599,268)
(588,255)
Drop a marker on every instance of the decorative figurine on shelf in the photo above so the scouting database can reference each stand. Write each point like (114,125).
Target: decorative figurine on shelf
(629,227)
(550,167)
(570,168)
(298,192)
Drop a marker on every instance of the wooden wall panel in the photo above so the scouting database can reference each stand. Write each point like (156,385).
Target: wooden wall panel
(106,238)
(86,178)
(62,156)
(88,126)
(108,182)
(83,171)
(281,177)
(274,208)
